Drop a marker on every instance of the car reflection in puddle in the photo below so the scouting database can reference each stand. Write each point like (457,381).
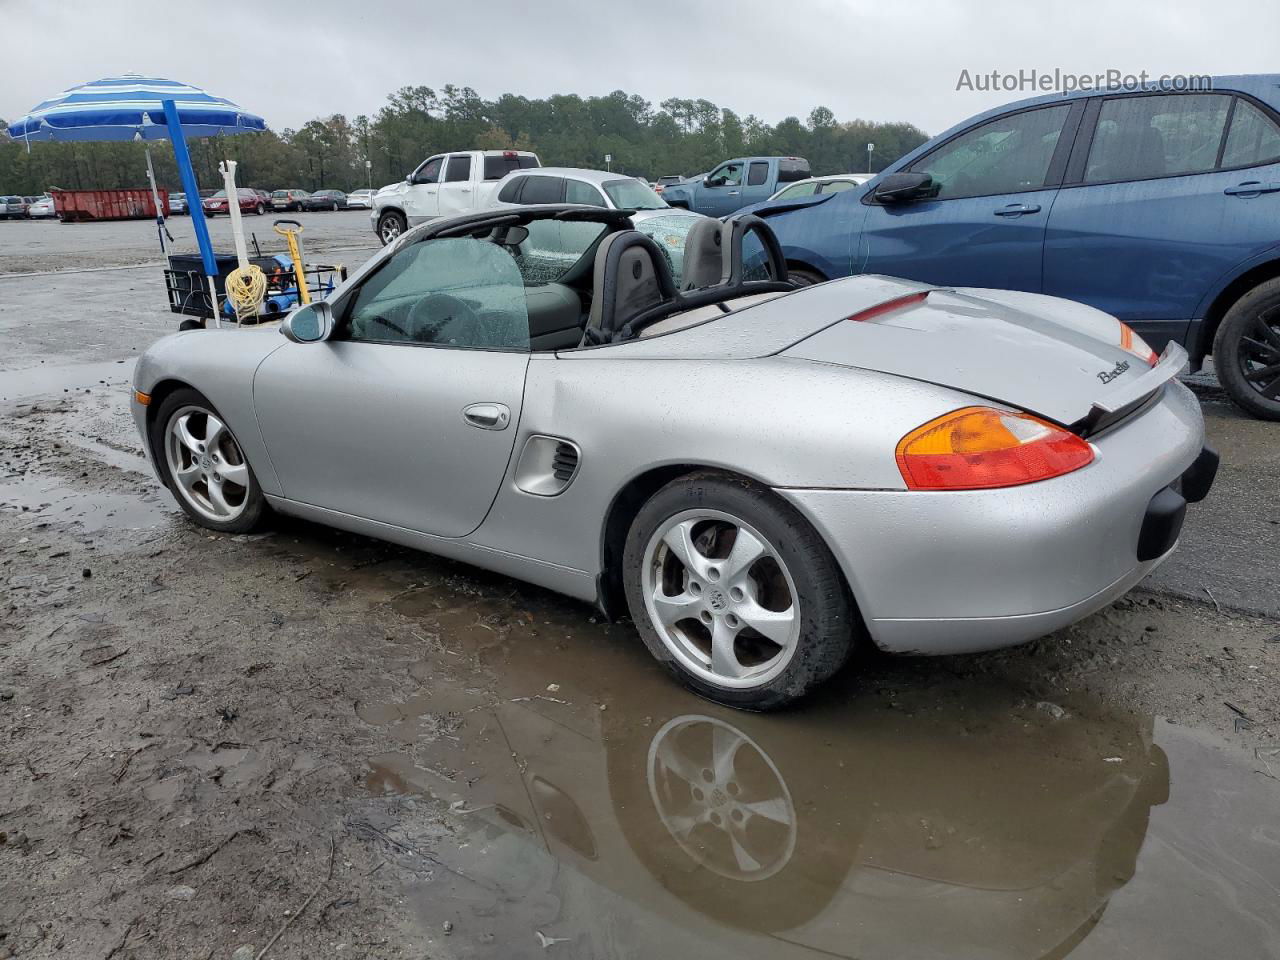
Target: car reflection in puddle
(945,822)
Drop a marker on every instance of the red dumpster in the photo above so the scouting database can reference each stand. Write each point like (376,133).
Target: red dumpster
(129,204)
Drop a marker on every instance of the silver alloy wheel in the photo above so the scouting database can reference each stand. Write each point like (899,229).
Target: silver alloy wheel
(390,228)
(721,599)
(209,471)
(721,798)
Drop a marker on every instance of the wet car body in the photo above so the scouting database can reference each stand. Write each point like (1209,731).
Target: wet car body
(834,376)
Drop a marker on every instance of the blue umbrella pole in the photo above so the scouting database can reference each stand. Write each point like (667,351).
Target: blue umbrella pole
(194,207)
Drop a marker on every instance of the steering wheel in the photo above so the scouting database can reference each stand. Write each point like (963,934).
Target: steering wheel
(439,318)
(390,325)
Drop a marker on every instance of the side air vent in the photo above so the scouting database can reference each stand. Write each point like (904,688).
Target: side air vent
(547,466)
(565,462)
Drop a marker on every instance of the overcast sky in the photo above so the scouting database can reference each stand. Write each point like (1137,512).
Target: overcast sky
(875,59)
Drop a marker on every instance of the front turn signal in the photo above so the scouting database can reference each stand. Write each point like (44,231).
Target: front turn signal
(978,448)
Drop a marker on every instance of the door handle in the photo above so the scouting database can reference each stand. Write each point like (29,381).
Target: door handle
(1017,209)
(733,193)
(1251,188)
(487,416)
(465,189)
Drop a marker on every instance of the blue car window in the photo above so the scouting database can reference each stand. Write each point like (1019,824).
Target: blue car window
(1009,154)
(1253,138)
(1138,138)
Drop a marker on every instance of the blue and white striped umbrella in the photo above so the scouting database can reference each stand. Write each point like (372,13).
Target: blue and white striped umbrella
(129,108)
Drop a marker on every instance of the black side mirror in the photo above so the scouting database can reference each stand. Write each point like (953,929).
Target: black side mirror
(906,187)
(714,181)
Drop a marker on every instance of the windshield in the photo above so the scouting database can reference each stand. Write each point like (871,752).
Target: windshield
(221,194)
(281,193)
(553,247)
(669,233)
(631,194)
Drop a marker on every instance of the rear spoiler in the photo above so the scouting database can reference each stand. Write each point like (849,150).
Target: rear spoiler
(1134,393)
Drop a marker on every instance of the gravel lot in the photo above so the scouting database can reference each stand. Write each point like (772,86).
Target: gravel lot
(211,741)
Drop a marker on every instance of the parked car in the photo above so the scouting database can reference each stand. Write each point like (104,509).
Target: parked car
(42,209)
(249,202)
(816,186)
(736,183)
(325,200)
(177,204)
(879,467)
(663,182)
(668,226)
(293,200)
(1158,207)
(360,198)
(13,208)
(444,185)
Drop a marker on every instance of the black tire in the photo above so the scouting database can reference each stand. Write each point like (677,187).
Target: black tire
(828,619)
(255,503)
(1248,342)
(391,226)
(259,209)
(805,278)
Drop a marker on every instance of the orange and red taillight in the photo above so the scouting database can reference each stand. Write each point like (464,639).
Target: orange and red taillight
(980,448)
(1133,343)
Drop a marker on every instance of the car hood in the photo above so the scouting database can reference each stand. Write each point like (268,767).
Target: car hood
(1062,360)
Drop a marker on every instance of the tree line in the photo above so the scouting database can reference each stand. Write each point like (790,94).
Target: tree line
(678,137)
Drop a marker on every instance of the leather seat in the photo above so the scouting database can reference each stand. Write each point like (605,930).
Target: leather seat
(630,277)
(706,256)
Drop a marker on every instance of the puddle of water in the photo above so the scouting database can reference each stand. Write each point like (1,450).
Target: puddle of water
(48,379)
(937,818)
(45,499)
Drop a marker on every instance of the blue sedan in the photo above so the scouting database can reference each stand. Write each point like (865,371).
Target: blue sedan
(1161,207)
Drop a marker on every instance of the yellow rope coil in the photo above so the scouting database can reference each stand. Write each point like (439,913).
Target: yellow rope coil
(246,289)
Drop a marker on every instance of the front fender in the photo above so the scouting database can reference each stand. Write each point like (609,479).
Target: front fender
(220,364)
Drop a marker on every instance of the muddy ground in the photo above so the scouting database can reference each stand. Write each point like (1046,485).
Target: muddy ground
(307,744)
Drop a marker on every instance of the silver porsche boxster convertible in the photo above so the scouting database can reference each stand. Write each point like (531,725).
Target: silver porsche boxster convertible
(761,474)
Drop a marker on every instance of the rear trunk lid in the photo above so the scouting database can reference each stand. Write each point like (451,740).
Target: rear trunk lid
(1064,361)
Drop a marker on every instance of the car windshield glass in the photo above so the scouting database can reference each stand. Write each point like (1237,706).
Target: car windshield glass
(281,194)
(553,247)
(631,194)
(669,233)
(219,194)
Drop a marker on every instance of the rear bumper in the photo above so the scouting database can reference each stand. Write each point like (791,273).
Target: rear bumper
(962,571)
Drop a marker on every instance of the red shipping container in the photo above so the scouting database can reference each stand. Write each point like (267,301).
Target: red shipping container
(128,204)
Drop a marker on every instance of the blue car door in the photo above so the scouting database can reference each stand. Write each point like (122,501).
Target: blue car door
(720,194)
(757,184)
(1164,197)
(996,185)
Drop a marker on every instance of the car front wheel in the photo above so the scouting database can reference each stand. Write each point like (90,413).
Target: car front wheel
(203,465)
(734,592)
(1246,351)
(390,225)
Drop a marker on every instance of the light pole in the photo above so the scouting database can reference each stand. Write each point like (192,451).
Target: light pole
(368,171)
(870,147)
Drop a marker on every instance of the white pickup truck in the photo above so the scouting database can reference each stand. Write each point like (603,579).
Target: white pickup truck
(444,185)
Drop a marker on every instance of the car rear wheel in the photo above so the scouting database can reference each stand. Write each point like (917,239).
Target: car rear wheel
(203,465)
(390,225)
(735,593)
(1246,351)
